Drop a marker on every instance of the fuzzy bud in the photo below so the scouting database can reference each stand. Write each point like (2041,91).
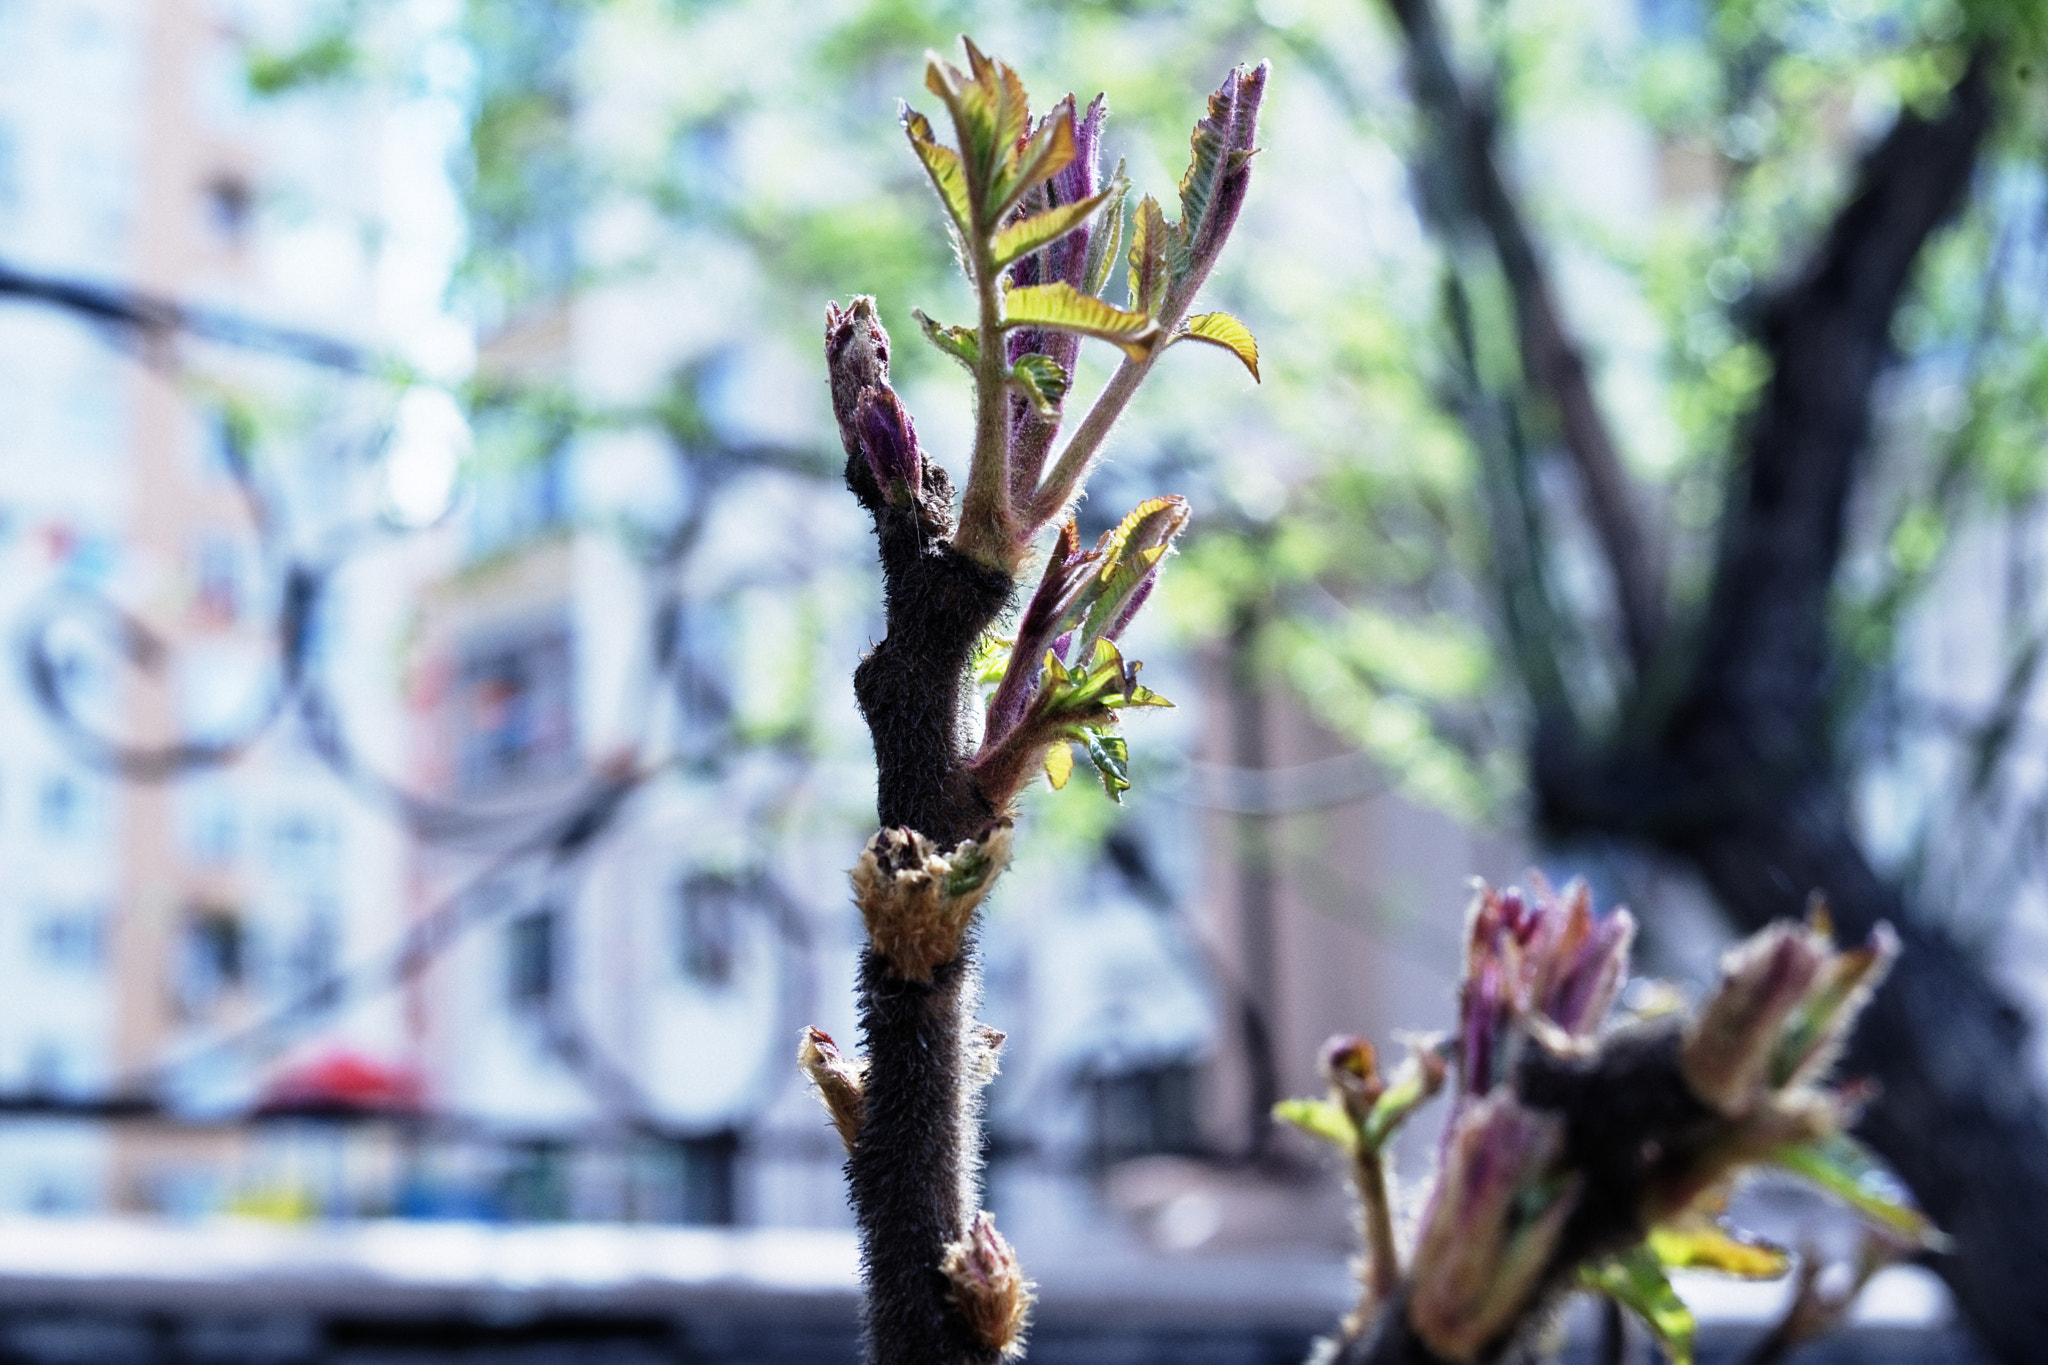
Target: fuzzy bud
(838,1079)
(988,1286)
(889,441)
(1727,1052)
(917,902)
(1487,1238)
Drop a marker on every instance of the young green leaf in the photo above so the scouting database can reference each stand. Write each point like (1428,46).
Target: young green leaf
(1027,235)
(1059,765)
(1062,308)
(1111,755)
(1704,1245)
(957,342)
(1109,235)
(1050,151)
(1130,556)
(1041,380)
(1637,1282)
(1843,1167)
(991,658)
(1148,257)
(1221,329)
(1323,1119)
(942,164)
(1420,1076)
(990,112)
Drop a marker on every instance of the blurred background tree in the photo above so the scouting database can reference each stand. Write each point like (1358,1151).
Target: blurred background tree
(1648,456)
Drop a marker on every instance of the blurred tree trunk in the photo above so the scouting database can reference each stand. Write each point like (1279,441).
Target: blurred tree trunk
(1720,752)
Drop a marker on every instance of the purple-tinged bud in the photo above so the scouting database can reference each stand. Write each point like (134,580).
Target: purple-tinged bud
(1727,1052)
(988,1286)
(889,441)
(1066,577)
(1352,1068)
(1067,258)
(1500,1206)
(1545,966)
(1218,177)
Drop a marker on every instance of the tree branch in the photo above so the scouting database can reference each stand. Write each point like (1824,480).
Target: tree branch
(1761,681)
(1469,192)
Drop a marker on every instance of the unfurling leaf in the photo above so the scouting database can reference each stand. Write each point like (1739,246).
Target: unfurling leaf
(1050,151)
(942,164)
(1027,235)
(1148,257)
(1221,329)
(990,112)
(1419,1077)
(1060,307)
(1212,191)
(1323,1119)
(1704,1245)
(1637,1282)
(1843,1167)
(957,342)
(1131,554)
(1111,755)
(1059,765)
(1042,381)
(1109,236)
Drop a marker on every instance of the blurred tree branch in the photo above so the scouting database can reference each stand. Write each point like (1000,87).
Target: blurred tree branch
(1721,751)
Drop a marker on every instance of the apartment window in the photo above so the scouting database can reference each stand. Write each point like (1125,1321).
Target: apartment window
(214,957)
(1143,1110)
(66,808)
(707,914)
(68,938)
(530,958)
(305,848)
(515,715)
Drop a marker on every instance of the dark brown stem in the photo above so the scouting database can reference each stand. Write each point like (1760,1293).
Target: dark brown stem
(912,1169)
(912,1172)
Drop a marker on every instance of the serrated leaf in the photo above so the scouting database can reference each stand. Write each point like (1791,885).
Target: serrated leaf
(1221,329)
(1111,755)
(1027,235)
(1050,151)
(942,164)
(1637,1282)
(1130,554)
(1323,1119)
(1148,257)
(957,342)
(1845,1168)
(1059,765)
(1042,380)
(1208,162)
(1108,238)
(1704,1245)
(1062,308)
(990,112)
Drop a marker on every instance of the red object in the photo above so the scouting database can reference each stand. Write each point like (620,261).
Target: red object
(342,1083)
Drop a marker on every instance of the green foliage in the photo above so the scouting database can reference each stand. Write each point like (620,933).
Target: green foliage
(1221,329)
(1062,308)
(328,57)
(1635,1279)
(1844,1168)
